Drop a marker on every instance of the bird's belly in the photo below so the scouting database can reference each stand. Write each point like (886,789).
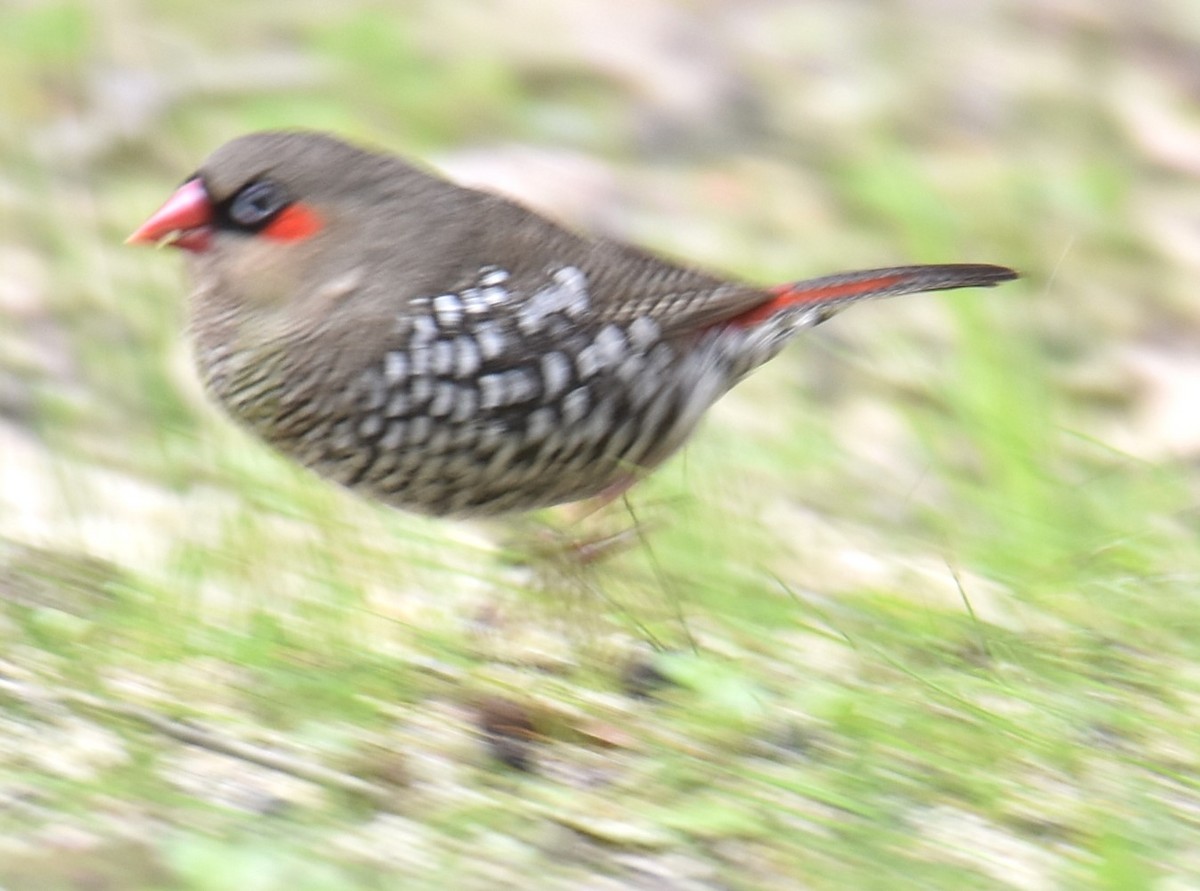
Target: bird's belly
(505,441)
(448,429)
(496,462)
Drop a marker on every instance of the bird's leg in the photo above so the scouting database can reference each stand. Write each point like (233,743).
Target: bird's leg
(565,541)
(578,511)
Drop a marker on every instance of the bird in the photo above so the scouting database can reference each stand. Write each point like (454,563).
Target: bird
(448,351)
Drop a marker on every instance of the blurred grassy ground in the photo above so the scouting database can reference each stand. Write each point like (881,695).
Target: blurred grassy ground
(928,583)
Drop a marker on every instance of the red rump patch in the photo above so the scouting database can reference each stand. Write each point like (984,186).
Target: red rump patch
(294,223)
(791,295)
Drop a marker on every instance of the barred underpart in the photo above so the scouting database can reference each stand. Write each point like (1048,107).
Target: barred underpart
(488,402)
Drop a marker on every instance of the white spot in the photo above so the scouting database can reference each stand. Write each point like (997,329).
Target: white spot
(421,390)
(529,320)
(491,391)
(567,294)
(420,359)
(492,275)
(574,283)
(395,367)
(521,384)
(556,373)
(490,339)
(643,332)
(610,345)
(587,361)
(424,331)
(466,357)
(443,357)
(473,301)
(449,310)
(575,406)
(496,296)
(443,399)
(506,388)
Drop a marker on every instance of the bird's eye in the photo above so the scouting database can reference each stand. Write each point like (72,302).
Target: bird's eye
(257,204)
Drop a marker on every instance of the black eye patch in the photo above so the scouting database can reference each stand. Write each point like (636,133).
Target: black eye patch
(253,206)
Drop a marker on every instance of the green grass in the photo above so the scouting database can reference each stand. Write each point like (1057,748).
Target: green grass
(923,591)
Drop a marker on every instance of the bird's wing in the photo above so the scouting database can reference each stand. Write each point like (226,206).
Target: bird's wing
(619,282)
(628,283)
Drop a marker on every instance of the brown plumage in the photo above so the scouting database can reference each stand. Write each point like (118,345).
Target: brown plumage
(447,350)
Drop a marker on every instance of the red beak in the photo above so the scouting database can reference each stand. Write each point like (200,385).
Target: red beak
(185,221)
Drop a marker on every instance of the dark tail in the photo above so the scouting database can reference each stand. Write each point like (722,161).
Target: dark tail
(846,287)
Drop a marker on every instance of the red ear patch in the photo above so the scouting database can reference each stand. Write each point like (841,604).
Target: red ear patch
(294,223)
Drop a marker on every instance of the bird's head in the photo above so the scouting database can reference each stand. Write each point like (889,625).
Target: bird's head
(277,188)
(284,224)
